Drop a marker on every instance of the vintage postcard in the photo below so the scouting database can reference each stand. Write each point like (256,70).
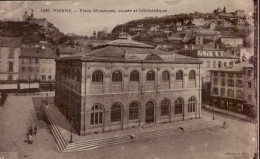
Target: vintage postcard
(121,79)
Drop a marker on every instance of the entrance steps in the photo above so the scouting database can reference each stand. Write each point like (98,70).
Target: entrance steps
(63,146)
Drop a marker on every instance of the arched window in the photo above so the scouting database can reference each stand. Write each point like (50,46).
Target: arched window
(133,111)
(191,104)
(165,106)
(179,75)
(192,75)
(134,76)
(179,106)
(116,113)
(117,76)
(97,76)
(150,76)
(78,76)
(97,115)
(165,76)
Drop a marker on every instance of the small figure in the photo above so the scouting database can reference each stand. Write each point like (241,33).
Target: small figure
(30,139)
(31,131)
(224,125)
(182,129)
(35,129)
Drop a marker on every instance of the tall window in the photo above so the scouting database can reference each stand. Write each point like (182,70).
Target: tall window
(133,111)
(165,76)
(11,66)
(165,106)
(230,93)
(215,91)
(249,84)
(215,81)
(116,113)
(134,76)
(179,106)
(223,82)
(179,75)
(230,75)
(239,83)
(223,74)
(150,76)
(192,75)
(97,115)
(214,64)
(191,104)
(208,64)
(117,76)
(230,82)
(97,76)
(11,55)
(249,73)
(222,92)
(10,77)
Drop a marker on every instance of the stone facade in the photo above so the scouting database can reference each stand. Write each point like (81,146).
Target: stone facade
(100,94)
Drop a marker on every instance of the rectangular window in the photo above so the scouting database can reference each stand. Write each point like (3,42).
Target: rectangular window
(239,75)
(215,73)
(36,60)
(49,78)
(223,82)
(230,93)
(30,61)
(230,75)
(214,64)
(223,74)
(249,84)
(215,81)
(213,53)
(249,73)
(10,66)
(225,64)
(215,91)
(239,83)
(249,98)
(239,94)
(231,63)
(11,55)
(222,91)
(43,77)
(10,77)
(231,83)
(208,64)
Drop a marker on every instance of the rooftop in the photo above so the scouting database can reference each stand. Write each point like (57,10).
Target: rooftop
(238,67)
(10,42)
(33,52)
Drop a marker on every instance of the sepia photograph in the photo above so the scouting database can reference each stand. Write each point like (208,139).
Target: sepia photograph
(121,79)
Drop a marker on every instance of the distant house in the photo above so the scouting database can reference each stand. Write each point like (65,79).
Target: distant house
(239,13)
(232,41)
(198,21)
(246,54)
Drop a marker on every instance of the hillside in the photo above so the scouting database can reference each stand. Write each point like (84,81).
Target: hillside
(30,32)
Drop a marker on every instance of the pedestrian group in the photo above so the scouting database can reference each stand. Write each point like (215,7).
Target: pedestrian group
(32,131)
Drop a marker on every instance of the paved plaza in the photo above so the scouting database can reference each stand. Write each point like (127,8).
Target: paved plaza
(19,112)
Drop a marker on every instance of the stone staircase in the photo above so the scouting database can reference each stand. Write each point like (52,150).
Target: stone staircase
(61,142)
(63,146)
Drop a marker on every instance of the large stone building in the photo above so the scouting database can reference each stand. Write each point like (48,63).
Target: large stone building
(38,64)
(124,84)
(10,49)
(234,88)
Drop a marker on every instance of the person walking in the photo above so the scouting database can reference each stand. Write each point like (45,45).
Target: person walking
(35,129)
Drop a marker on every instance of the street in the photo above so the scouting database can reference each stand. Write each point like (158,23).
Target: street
(236,141)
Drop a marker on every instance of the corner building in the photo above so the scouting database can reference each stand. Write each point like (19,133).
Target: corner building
(125,84)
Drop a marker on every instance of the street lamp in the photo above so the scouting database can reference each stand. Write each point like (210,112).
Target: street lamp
(46,98)
(214,95)
(71,141)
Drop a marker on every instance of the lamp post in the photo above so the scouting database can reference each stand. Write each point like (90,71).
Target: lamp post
(71,141)
(214,95)
(46,98)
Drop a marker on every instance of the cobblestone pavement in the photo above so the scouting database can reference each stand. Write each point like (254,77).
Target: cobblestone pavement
(236,141)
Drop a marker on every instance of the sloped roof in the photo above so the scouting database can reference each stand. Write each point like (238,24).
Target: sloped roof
(127,43)
(129,54)
(32,52)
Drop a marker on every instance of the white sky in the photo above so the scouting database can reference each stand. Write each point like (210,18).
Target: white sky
(86,23)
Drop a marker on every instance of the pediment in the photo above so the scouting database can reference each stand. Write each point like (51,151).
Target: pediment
(153,57)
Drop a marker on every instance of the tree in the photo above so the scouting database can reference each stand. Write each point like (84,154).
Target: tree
(94,33)
(224,9)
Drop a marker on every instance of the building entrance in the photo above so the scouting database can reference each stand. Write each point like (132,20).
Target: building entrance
(149,112)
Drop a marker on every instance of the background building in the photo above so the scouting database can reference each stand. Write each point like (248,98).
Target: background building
(10,49)
(125,84)
(233,88)
(37,64)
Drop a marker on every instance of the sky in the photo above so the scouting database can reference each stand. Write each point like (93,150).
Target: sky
(85,23)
